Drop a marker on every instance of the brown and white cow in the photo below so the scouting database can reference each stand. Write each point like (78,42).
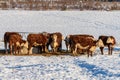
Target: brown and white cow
(107,41)
(83,42)
(48,35)
(37,40)
(6,38)
(68,40)
(15,42)
(56,41)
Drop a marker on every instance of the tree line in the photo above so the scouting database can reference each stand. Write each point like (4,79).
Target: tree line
(60,4)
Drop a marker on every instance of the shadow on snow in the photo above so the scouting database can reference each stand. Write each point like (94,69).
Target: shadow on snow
(26,66)
(95,70)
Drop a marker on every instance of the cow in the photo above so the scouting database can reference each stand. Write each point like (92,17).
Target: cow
(6,39)
(107,41)
(39,40)
(15,42)
(56,41)
(86,43)
(68,40)
(48,35)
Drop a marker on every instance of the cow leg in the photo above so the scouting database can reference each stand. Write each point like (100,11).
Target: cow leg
(101,49)
(18,49)
(88,53)
(109,50)
(60,47)
(43,48)
(75,51)
(72,48)
(40,49)
(52,49)
(47,46)
(29,49)
(10,47)
(55,49)
(5,44)
(46,49)
(68,48)
(15,49)
(91,53)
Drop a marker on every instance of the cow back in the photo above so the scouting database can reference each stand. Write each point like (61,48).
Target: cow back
(83,40)
(8,34)
(38,38)
(107,40)
(15,38)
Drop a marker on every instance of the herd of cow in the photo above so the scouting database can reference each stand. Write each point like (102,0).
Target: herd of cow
(77,44)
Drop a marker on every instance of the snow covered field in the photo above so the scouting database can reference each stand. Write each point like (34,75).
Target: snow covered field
(98,67)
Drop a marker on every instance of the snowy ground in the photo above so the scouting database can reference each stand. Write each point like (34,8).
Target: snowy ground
(98,67)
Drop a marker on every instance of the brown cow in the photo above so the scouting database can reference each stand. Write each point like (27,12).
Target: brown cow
(68,40)
(56,41)
(83,42)
(37,40)
(108,41)
(48,35)
(15,42)
(6,38)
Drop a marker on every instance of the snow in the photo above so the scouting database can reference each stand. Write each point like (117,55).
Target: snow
(64,67)
(60,67)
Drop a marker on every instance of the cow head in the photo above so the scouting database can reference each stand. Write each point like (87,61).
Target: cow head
(67,39)
(54,37)
(111,40)
(96,43)
(67,42)
(99,43)
(24,44)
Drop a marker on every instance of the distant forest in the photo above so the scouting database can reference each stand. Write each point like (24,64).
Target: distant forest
(60,4)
